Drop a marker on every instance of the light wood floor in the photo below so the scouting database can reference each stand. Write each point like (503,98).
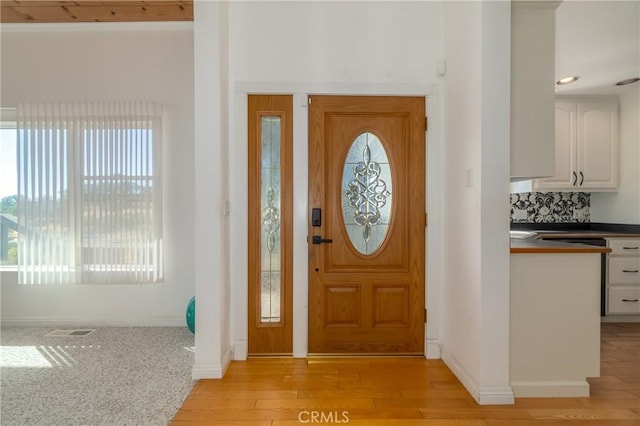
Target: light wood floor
(406,392)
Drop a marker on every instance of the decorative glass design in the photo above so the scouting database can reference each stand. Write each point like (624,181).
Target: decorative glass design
(367,189)
(270,267)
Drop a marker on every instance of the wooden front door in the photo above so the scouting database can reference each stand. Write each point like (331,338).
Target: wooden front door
(367,232)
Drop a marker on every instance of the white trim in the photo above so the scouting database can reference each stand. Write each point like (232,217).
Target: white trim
(547,389)
(356,89)
(620,318)
(95,322)
(238,179)
(211,371)
(300,221)
(240,350)
(433,348)
(8,117)
(97,26)
(484,395)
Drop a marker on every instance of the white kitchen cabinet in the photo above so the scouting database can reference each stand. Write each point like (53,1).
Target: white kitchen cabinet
(586,145)
(554,327)
(623,276)
(532,88)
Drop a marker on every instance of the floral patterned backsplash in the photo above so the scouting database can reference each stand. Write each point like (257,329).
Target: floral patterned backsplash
(550,207)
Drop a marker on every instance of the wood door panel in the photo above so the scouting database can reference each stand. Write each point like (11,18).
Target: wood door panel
(390,305)
(370,303)
(342,305)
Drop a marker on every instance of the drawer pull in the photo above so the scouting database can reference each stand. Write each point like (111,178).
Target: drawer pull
(630,248)
(630,270)
(629,300)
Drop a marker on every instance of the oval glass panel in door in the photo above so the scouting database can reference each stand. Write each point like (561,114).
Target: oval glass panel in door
(367,189)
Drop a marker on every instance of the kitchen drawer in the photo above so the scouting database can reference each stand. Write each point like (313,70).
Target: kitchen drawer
(624,270)
(625,247)
(624,300)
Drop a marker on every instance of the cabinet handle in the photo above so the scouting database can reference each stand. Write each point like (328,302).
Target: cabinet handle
(575,178)
(629,300)
(581,178)
(630,248)
(630,270)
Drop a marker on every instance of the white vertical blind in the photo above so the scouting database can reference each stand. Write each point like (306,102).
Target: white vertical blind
(89,192)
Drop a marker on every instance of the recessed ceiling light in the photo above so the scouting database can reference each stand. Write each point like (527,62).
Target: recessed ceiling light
(627,81)
(567,80)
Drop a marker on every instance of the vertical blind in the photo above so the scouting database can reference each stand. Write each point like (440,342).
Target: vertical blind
(89,192)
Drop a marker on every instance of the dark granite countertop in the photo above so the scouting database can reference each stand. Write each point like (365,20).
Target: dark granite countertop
(580,230)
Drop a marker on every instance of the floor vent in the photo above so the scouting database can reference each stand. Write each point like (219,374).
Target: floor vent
(69,333)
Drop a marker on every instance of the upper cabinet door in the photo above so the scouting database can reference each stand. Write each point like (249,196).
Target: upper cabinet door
(564,175)
(586,146)
(598,154)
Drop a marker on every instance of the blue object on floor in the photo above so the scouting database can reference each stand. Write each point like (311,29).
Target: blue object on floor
(191,315)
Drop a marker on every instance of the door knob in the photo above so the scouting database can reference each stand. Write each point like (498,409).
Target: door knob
(317,239)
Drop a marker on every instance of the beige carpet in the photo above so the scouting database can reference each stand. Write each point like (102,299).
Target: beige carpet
(113,376)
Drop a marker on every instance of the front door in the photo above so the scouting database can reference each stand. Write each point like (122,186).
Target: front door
(367,225)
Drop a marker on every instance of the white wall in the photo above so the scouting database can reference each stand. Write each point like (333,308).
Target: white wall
(623,206)
(477,104)
(324,48)
(76,62)
(463,127)
(213,347)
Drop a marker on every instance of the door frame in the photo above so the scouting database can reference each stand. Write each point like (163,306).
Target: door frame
(236,203)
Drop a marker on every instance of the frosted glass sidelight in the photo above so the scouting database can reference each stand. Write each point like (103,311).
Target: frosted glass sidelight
(367,189)
(270,194)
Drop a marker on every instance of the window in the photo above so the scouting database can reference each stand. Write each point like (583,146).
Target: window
(8,190)
(89,193)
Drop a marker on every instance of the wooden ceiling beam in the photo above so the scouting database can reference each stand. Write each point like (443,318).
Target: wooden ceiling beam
(32,11)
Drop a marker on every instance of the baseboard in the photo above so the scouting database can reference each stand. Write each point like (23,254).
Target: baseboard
(212,371)
(484,395)
(620,318)
(550,389)
(434,348)
(226,360)
(240,350)
(207,371)
(94,322)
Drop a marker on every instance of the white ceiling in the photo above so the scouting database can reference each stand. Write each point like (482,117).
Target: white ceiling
(600,42)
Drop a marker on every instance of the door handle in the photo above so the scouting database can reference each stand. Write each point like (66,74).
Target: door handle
(630,270)
(581,178)
(575,178)
(317,239)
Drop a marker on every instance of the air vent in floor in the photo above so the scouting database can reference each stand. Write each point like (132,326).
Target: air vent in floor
(69,333)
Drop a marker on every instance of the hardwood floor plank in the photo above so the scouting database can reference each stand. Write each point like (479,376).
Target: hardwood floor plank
(583,414)
(248,394)
(611,403)
(349,393)
(317,404)
(403,422)
(425,402)
(216,404)
(495,422)
(436,393)
(478,412)
(231,415)
(551,402)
